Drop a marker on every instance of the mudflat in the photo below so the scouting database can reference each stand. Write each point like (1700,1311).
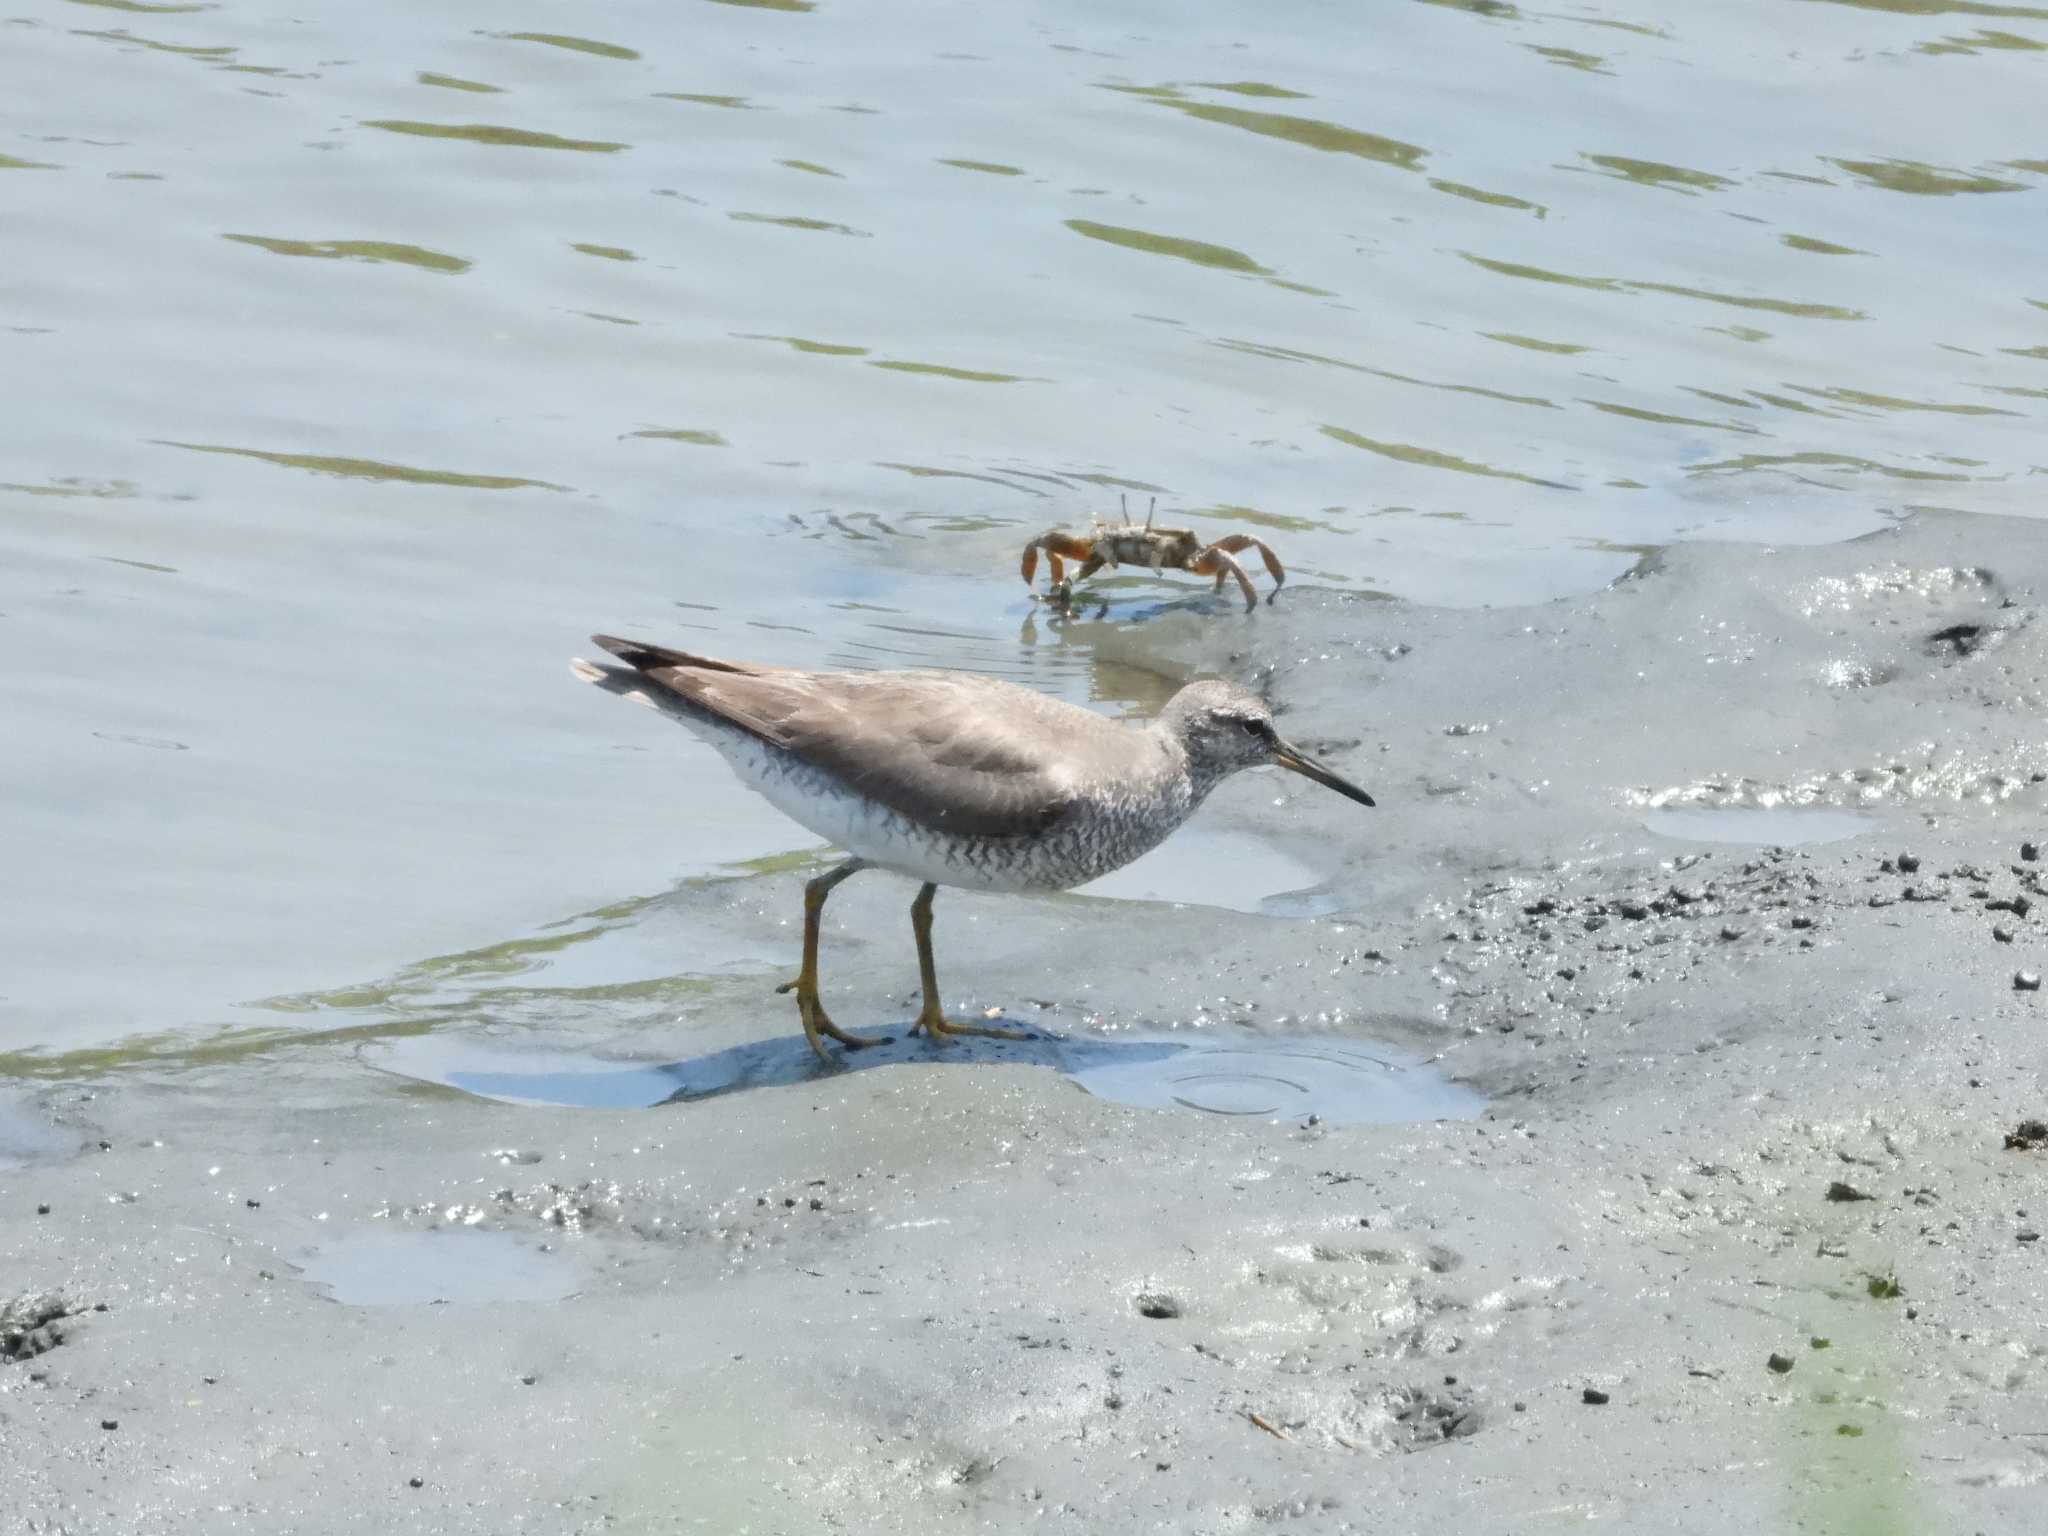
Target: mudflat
(1636,1118)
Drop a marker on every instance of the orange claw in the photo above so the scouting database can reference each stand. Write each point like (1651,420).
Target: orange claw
(1055,545)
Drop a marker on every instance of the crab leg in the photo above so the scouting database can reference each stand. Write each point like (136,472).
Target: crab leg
(1216,561)
(1239,541)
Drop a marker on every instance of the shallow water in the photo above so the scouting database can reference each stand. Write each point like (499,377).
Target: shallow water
(366,361)
(373,1268)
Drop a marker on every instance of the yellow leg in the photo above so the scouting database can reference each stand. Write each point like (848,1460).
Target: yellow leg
(931,1019)
(816,1022)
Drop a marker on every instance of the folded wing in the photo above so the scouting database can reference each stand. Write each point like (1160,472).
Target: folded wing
(955,753)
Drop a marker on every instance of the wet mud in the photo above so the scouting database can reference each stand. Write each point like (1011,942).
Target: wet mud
(1690,905)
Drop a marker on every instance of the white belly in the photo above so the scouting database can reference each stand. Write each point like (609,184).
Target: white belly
(872,831)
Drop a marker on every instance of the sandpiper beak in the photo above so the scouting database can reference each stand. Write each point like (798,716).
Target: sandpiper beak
(1293,757)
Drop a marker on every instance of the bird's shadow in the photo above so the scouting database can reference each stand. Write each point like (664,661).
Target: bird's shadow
(592,1083)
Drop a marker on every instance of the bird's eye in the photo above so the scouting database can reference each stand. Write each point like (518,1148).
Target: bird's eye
(1257,729)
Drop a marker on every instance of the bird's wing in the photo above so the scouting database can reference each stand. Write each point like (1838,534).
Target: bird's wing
(951,752)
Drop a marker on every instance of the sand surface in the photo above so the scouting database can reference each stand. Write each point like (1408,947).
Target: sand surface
(1721,1232)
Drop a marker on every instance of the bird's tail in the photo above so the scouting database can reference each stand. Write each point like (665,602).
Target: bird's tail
(645,658)
(628,685)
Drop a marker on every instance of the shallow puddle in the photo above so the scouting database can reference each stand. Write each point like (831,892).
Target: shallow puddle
(1778,826)
(566,1079)
(398,1269)
(26,1137)
(1231,870)
(1338,1081)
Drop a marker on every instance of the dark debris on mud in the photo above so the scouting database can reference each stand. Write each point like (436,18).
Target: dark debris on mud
(32,1324)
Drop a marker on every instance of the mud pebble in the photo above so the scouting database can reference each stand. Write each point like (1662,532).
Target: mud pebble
(2003,935)
(1802,921)
(1540,908)
(1730,934)
(1909,863)
(110,1423)
(415,1482)
(1838,1191)
(2026,981)
(1591,1395)
(42,1210)
(1780,1363)
(1156,1304)
(2030,851)
(1634,911)
(2028,1236)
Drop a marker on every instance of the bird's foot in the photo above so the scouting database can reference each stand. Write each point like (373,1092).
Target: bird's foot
(818,1023)
(939,1028)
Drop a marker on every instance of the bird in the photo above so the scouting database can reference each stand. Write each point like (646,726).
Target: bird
(952,778)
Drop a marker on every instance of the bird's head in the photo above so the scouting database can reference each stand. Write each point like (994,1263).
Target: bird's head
(1224,728)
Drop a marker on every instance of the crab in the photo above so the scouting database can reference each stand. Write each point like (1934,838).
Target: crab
(1125,543)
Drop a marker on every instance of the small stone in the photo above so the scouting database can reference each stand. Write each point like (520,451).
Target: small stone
(1801,921)
(1839,1191)
(110,1423)
(817,1204)
(415,1482)
(2030,851)
(1591,1395)
(1730,934)
(1780,1363)
(42,1210)
(1540,908)
(254,1205)
(2028,1236)
(528,1380)
(1634,911)
(2021,906)
(2026,981)
(1908,863)
(2003,935)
